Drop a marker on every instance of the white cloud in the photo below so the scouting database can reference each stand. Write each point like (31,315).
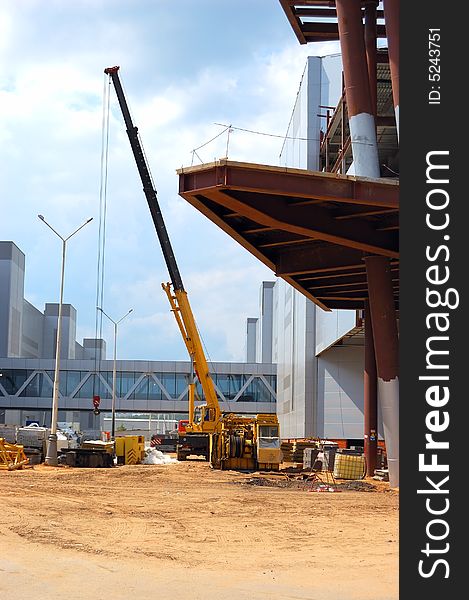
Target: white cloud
(50,127)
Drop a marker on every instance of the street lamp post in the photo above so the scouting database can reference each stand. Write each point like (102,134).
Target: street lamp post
(51,457)
(113,406)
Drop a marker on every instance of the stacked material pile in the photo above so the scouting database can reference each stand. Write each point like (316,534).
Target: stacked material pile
(8,433)
(293,451)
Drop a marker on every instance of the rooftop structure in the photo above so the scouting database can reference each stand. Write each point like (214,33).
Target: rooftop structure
(316,20)
(312,229)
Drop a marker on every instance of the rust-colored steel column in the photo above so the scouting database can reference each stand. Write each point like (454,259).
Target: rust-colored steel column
(383,318)
(370,397)
(357,89)
(370,45)
(391,18)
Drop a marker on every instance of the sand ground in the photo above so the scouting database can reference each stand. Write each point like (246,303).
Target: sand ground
(183,531)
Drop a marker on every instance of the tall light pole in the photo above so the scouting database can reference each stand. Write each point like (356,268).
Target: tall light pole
(51,457)
(113,406)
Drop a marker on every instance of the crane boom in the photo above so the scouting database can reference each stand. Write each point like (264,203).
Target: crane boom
(147,182)
(228,441)
(180,306)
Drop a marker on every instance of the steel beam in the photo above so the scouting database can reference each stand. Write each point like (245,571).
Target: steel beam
(310,221)
(293,20)
(316,260)
(292,183)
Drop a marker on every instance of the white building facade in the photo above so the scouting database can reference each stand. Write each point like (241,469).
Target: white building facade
(319,355)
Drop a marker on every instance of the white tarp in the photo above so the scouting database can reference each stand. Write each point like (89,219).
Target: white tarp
(156,457)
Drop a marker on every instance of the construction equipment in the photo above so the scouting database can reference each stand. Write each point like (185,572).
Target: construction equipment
(165,443)
(91,454)
(34,439)
(12,456)
(130,449)
(229,441)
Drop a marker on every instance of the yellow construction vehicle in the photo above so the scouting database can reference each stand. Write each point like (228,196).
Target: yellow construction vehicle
(229,441)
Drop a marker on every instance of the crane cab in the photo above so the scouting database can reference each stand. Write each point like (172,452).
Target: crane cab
(268,442)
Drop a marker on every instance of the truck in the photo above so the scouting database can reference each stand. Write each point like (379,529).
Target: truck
(226,440)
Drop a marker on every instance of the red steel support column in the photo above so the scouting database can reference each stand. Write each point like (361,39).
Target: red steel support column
(383,317)
(370,44)
(370,397)
(391,18)
(357,89)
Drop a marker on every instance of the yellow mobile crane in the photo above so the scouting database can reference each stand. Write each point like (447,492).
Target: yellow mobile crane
(228,441)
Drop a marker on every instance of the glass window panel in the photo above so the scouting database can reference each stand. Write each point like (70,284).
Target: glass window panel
(236,383)
(93,387)
(101,389)
(38,387)
(86,390)
(72,379)
(154,390)
(257,391)
(223,384)
(44,386)
(62,381)
(169,383)
(272,381)
(107,376)
(125,381)
(13,379)
(268,431)
(251,393)
(141,391)
(32,389)
(182,381)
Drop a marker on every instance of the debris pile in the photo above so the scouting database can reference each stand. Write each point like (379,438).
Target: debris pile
(309,483)
(156,457)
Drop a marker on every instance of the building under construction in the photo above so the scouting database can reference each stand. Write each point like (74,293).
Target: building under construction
(330,229)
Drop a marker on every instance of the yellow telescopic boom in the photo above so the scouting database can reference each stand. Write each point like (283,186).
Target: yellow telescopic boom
(185,319)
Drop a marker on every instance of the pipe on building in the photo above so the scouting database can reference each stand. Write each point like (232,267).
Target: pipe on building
(391,17)
(384,323)
(357,89)
(370,45)
(370,397)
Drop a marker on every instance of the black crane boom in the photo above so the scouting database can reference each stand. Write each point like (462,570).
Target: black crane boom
(147,182)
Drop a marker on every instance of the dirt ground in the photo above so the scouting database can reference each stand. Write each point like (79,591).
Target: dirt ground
(183,531)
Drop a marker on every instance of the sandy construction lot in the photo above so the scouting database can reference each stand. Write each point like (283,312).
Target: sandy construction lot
(183,531)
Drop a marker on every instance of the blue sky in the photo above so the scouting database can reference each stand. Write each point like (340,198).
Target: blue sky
(185,66)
